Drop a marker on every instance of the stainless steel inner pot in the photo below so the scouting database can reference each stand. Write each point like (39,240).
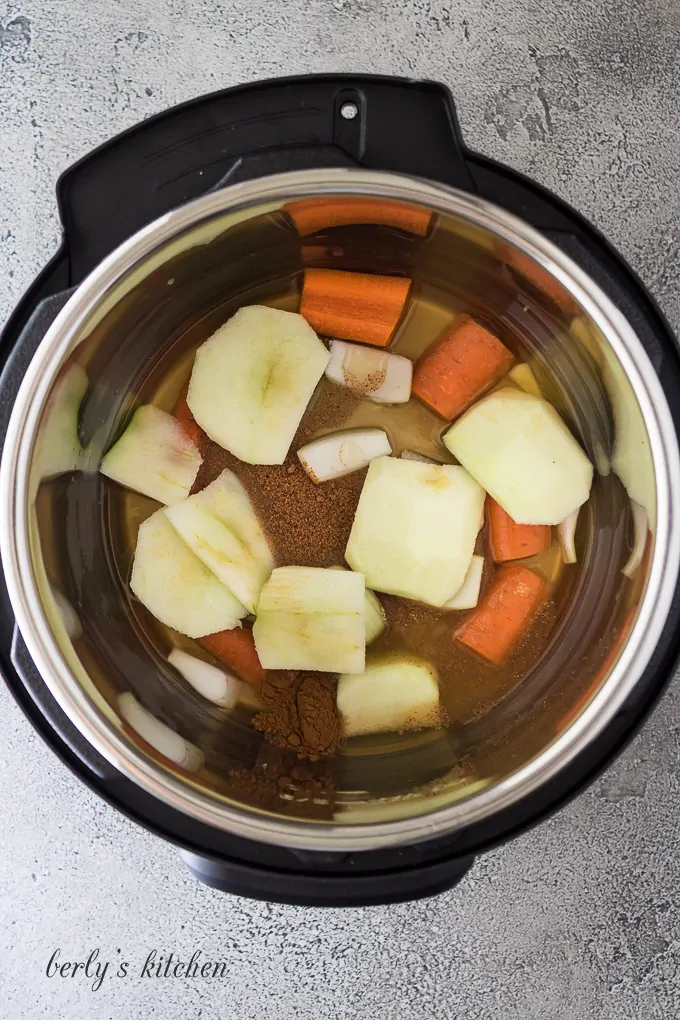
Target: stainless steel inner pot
(144,309)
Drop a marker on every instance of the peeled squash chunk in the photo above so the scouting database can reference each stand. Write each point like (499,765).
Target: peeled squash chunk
(518,448)
(415,529)
(395,693)
(311,618)
(154,456)
(176,587)
(220,526)
(252,381)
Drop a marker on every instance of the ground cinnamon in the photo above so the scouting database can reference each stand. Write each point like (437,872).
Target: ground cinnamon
(279,782)
(300,713)
(305,524)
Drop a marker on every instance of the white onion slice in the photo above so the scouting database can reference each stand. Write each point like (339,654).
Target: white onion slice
(601,459)
(69,616)
(374,616)
(419,457)
(640,527)
(467,595)
(164,740)
(566,531)
(382,377)
(343,452)
(211,683)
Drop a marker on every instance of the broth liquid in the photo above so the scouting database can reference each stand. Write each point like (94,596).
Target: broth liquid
(309,525)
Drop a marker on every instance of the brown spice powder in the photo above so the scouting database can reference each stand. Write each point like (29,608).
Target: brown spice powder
(279,782)
(306,524)
(300,713)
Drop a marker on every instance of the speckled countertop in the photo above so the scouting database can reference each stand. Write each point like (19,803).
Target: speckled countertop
(579,919)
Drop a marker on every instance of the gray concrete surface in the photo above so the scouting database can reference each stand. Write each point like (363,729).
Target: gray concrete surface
(579,920)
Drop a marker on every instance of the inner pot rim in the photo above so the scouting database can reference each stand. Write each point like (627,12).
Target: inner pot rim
(15,504)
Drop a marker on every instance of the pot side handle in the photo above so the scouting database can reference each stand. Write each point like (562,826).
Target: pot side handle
(343,887)
(382,123)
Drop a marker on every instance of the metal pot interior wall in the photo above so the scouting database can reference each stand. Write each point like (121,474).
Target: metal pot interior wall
(137,344)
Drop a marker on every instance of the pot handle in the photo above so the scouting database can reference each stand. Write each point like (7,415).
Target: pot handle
(381,123)
(342,888)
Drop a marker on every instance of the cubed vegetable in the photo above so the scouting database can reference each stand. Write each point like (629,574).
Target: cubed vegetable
(211,683)
(220,526)
(464,362)
(312,214)
(505,613)
(383,378)
(310,618)
(375,617)
(154,456)
(354,306)
(523,377)
(159,735)
(252,381)
(518,448)
(236,648)
(342,453)
(176,587)
(58,449)
(511,541)
(395,693)
(467,595)
(415,529)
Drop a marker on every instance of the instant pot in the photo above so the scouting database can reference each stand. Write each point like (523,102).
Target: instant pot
(167,229)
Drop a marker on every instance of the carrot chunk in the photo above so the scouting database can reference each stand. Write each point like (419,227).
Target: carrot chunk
(493,629)
(464,362)
(354,306)
(236,649)
(511,541)
(312,214)
(191,428)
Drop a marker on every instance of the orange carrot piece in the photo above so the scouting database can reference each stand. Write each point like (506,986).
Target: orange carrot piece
(312,214)
(493,629)
(465,361)
(186,419)
(354,306)
(511,541)
(236,649)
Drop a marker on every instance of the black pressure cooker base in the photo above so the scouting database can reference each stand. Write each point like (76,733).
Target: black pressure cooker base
(270,127)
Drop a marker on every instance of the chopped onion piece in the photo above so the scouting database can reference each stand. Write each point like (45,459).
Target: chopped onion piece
(640,526)
(566,530)
(375,617)
(343,452)
(467,595)
(212,683)
(382,377)
(68,614)
(164,740)
(420,458)
(601,459)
